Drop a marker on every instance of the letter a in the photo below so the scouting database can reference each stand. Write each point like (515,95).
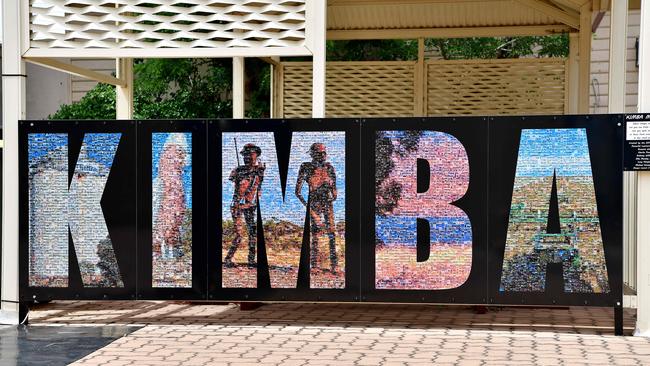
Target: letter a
(546,155)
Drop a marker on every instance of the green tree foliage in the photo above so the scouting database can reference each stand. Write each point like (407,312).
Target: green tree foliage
(182,88)
(201,88)
(98,103)
(450,48)
(258,84)
(501,47)
(164,88)
(374,50)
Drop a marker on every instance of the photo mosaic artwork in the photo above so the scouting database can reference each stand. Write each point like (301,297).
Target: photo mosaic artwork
(172,209)
(48,209)
(554,172)
(398,205)
(314,195)
(53,208)
(503,210)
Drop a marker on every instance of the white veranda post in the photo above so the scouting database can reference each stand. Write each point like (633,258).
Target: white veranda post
(643,190)
(13,110)
(317,13)
(616,103)
(238,87)
(124,97)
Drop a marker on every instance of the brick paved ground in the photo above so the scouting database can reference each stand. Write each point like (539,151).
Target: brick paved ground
(321,334)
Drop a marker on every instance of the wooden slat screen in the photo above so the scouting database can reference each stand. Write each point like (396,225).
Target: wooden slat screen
(496,87)
(354,89)
(458,87)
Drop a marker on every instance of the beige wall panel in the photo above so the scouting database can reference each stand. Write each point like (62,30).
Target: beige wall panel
(80,86)
(598,102)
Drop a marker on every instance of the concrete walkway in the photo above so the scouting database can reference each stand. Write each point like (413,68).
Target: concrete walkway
(323,334)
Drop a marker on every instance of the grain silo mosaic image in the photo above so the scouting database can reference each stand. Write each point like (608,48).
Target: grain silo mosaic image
(398,206)
(48,208)
(315,193)
(172,209)
(554,173)
(54,207)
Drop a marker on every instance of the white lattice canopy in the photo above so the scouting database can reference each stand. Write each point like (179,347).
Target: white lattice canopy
(93,25)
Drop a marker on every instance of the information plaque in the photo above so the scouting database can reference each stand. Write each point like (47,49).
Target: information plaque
(637,142)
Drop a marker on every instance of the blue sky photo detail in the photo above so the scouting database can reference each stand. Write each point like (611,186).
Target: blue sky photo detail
(101,147)
(271,201)
(41,144)
(564,149)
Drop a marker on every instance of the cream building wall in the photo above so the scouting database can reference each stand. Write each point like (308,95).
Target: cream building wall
(600,65)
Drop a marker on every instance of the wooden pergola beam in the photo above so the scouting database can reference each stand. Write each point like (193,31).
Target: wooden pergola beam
(553,12)
(51,63)
(364,34)
(572,4)
(271,61)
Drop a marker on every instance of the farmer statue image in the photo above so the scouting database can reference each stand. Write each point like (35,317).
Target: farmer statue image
(321,179)
(247,179)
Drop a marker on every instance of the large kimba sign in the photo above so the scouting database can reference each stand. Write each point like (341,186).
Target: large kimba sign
(507,210)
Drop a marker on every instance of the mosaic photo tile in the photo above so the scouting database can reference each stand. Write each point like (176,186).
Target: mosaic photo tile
(315,193)
(172,210)
(48,209)
(54,208)
(554,171)
(398,206)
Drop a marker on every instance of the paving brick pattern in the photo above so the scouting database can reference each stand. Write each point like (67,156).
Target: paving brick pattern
(324,334)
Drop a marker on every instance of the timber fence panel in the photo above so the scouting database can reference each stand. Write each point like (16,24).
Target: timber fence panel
(496,87)
(354,89)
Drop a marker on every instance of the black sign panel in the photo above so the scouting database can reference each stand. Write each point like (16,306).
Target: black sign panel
(172,223)
(283,207)
(555,210)
(78,210)
(507,210)
(425,200)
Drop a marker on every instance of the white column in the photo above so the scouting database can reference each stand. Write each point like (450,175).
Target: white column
(616,104)
(13,109)
(617,56)
(643,187)
(238,87)
(317,16)
(124,96)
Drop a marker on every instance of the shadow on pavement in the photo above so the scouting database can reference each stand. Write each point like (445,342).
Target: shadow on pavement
(48,345)
(581,320)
